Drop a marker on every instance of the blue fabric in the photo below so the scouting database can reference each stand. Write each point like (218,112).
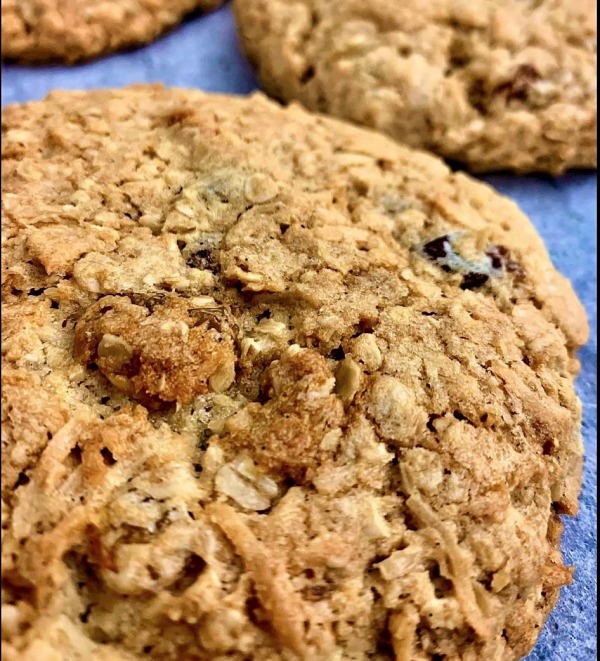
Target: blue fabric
(203,53)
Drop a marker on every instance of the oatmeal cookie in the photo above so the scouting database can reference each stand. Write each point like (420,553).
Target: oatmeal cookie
(73,30)
(275,388)
(493,84)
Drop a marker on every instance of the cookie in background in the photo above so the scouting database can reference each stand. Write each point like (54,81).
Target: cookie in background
(507,85)
(35,31)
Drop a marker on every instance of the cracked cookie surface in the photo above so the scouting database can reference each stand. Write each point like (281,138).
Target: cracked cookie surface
(493,84)
(275,388)
(73,30)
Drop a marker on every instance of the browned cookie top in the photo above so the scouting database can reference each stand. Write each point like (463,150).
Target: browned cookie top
(275,388)
(71,30)
(495,84)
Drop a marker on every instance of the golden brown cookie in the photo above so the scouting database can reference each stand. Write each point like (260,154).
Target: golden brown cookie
(72,30)
(275,388)
(494,84)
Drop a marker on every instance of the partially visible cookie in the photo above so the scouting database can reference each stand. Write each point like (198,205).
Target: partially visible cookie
(494,84)
(72,30)
(274,388)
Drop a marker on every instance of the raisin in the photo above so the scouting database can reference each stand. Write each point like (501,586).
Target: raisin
(437,248)
(474,280)
(496,261)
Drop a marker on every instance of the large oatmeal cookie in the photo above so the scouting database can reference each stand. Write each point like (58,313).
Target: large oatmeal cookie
(274,388)
(495,84)
(72,30)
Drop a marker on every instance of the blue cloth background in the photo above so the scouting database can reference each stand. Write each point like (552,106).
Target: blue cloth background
(203,53)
